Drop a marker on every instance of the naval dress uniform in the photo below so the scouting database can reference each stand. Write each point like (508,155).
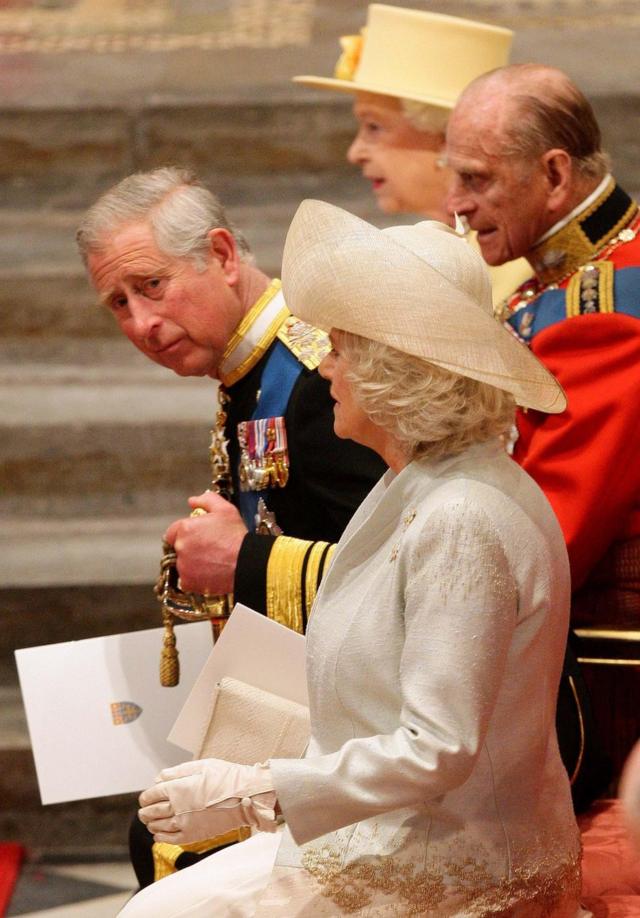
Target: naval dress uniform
(581,317)
(289,473)
(309,484)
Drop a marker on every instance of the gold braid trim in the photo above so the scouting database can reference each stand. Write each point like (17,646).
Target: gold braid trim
(328,558)
(230,373)
(313,574)
(591,289)
(285,570)
(164,859)
(165,855)
(605,285)
(572,296)
(563,253)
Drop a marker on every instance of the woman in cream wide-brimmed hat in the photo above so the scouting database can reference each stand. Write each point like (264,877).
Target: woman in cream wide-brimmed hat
(432,783)
(407,69)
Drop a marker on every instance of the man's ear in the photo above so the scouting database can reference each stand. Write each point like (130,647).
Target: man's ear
(223,248)
(558,169)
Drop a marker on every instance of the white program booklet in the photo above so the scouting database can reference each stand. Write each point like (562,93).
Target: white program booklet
(97,715)
(253,649)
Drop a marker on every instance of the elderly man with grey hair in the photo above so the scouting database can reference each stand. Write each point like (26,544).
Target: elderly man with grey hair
(181,284)
(531,178)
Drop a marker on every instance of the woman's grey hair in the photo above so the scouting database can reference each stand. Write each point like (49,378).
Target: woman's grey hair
(425,117)
(179,208)
(431,412)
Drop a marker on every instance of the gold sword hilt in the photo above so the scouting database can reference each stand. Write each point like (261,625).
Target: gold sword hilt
(175,602)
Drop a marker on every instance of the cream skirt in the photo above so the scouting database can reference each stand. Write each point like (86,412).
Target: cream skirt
(225,885)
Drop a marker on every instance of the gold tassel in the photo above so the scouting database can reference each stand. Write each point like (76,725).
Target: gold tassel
(169,662)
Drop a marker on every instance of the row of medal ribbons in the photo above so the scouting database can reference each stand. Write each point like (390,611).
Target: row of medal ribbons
(264,456)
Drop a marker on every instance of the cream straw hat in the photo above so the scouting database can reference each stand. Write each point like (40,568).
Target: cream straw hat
(416,55)
(420,289)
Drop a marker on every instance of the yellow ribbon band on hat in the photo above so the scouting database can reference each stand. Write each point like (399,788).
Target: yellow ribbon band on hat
(350,58)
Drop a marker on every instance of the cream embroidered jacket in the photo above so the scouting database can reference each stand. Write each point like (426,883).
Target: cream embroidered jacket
(434,655)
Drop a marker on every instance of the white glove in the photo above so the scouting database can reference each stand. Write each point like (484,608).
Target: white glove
(208,797)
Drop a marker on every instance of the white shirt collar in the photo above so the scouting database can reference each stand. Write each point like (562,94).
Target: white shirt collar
(576,210)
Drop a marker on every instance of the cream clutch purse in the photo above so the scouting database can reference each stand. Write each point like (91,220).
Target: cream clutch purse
(248,725)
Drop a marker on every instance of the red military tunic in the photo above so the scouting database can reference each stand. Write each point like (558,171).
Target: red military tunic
(580,315)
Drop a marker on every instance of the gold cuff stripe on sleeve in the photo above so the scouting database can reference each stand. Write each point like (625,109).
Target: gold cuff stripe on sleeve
(218,841)
(312,577)
(328,558)
(164,859)
(165,854)
(285,573)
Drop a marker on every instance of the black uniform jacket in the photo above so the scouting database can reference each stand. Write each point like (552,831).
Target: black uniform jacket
(328,477)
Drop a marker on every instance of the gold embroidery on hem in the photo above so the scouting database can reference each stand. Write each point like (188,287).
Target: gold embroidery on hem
(466,885)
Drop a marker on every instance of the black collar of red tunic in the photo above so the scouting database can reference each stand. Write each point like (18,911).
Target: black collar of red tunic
(585,236)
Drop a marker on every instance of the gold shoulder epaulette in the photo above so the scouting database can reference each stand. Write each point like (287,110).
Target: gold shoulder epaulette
(308,344)
(590,289)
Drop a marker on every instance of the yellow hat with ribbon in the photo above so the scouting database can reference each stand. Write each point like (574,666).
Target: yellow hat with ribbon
(411,54)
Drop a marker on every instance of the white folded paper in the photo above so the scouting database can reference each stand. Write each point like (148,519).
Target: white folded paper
(97,715)
(252,649)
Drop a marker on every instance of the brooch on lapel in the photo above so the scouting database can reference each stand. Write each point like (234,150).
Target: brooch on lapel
(406,522)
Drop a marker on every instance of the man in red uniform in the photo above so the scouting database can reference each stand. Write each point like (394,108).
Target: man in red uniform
(532,180)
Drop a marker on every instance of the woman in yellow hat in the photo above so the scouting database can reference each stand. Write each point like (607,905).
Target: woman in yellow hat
(406,70)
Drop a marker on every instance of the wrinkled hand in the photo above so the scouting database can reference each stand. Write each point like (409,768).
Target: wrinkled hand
(208,797)
(207,546)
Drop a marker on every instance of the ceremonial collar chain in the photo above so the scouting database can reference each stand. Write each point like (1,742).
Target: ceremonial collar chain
(603,224)
(254,335)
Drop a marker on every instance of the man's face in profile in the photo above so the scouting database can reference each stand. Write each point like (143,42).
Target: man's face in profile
(503,197)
